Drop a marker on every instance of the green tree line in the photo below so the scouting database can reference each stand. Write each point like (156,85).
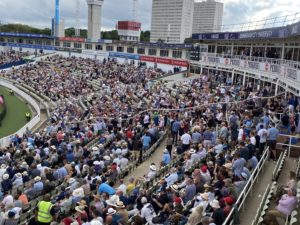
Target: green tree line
(69,32)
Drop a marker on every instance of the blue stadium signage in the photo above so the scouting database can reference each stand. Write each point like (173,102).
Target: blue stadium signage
(124,55)
(277,32)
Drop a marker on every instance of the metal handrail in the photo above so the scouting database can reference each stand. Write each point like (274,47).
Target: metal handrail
(248,188)
(289,63)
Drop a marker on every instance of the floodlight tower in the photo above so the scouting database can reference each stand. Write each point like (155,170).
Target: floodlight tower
(94,19)
(134,10)
(77,25)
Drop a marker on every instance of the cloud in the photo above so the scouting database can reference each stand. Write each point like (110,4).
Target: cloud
(39,12)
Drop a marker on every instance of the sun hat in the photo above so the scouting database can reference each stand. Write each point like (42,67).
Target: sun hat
(71,180)
(94,148)
(25,173)
(215,204)
(3,166)
(120,204)
(37,178)
(111,211)
(174,187)
(153,167)
(192,151)
(82,202)
(78,192)
(80,208)
(96,163)
(106,157)
(112,200)
(5,176)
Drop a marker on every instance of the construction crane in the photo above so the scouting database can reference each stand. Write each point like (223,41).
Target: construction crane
(134,9)
(77,23)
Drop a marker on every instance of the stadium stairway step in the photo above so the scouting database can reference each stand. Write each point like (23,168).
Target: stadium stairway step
(143,168)
(252,203)
(39,126)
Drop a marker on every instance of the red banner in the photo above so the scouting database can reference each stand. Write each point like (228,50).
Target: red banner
(174,62)
(181,63)
(74,39)
(148,59)
(164,61)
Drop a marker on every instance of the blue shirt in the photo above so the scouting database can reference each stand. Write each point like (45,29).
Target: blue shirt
(104,187)
(146,140)
(175,126)
(272,134)
(166,158)
(238,166)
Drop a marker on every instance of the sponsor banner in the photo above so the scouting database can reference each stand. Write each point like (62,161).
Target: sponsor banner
(164,61)
(276,32)
(148,59)
(165,45)
(45,47)
(174,62)
(98,53)
(73,39)
(124,55)
(24,35)
(235,62)
(291,73)
(275,68)
(180,63)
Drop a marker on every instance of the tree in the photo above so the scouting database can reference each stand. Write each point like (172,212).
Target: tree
(145,36)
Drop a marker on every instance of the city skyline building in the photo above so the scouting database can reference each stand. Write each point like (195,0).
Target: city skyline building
(208,16)
(171,20)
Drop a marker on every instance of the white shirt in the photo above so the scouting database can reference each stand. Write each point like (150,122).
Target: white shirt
(263,134)
(123,163)
(148,213)
(151,175)
(7,200)
(253,140)
(122,188)
(186,139)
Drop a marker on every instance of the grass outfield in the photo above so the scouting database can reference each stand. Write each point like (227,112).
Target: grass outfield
(15,114)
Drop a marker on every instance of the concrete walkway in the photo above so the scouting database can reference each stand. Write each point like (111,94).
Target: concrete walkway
(143,168)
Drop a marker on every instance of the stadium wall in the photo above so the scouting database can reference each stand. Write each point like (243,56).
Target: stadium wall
(2,108)
(33,122)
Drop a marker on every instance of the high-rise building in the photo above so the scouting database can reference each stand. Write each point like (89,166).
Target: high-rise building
(171,20)
(94,19)
(208,16)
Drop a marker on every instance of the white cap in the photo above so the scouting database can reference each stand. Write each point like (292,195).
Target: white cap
(144,200)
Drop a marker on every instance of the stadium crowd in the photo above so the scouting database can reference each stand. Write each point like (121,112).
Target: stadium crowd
(10,57)
(215,137)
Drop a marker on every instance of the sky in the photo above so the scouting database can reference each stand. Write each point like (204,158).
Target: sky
(38,13)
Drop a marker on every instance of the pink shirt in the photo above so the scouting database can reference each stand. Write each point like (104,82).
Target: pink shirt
(287,204)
